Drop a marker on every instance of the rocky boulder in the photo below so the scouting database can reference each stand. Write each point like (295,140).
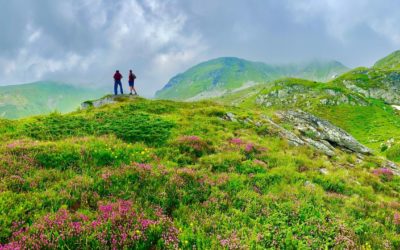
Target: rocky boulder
(321,134)
(307,130)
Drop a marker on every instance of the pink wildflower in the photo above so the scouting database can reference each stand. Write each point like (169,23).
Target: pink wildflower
(249,147)
(396,218)
(146,167)
(13,145)
(77,227)
(383,172)
(189,138)
(117,225)
(105,210)
(146,223)
(106,176)
(83,217)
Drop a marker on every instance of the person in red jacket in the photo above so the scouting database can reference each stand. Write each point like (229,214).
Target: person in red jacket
(131,81)
(117,81)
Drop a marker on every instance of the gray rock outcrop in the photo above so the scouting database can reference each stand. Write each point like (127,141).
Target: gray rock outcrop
(295,95)
(110,99)
(321,134)
(386,87)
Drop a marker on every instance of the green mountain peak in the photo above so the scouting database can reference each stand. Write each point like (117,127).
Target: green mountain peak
(391,61)
(221,75)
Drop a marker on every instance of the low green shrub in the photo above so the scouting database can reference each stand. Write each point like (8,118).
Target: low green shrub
(222,162)
(252,167)
(193,147)
(136,127)
(393,153)
(332,184)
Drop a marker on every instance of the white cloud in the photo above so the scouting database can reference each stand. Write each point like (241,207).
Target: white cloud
(86,41)
(343,17)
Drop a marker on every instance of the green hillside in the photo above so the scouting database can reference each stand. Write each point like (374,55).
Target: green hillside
(142,174)
(288,164)
(42,97)
(363,101)
(216,77)
(370,120)
(392,61)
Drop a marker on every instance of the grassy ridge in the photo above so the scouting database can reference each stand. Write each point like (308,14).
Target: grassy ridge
(190,178)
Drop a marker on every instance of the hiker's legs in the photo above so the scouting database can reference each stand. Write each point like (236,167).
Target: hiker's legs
(132,87)
(120,87)
(115,88)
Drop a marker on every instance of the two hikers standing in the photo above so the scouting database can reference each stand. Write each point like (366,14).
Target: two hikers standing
(117,82)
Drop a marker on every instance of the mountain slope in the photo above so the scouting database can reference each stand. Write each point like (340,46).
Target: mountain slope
(42,97)
(363,101)
(142,174)
(370,120)
(391,61)
(218,76)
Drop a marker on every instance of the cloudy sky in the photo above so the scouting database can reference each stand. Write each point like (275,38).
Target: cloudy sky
(84,41)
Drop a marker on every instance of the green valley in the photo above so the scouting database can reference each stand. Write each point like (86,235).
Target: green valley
(23,100)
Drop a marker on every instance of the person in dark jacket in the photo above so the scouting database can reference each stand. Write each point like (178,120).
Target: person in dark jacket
(131,81)
(117,81)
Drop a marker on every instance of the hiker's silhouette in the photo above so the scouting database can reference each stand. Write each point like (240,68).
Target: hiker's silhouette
(117,81)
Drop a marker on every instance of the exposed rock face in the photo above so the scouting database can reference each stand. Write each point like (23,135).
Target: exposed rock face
(321,134)
(387,90)
(290,136)
(298,94)
(313,131)
(104,101)
(295,140)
